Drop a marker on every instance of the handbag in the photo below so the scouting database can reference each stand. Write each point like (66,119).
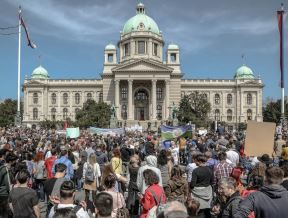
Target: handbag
(122,212)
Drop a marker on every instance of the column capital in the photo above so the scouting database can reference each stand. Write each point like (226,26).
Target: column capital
(154,81)
(130,81)
(167,81)
(116,80)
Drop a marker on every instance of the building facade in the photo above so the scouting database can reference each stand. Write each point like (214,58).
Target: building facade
(141,83)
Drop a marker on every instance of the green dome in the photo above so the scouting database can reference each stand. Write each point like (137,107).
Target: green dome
(110,46)
(140,22)
(244,72)
(173,46)
(40,73)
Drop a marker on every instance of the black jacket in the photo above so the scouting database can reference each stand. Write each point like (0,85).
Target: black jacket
(4,181)
(231,206)
(270,201)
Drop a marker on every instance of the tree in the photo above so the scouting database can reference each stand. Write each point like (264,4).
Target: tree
(272,111)
(195,108)
(8,110)
(94,114)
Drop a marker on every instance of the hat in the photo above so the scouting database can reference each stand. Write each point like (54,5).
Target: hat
(265,159)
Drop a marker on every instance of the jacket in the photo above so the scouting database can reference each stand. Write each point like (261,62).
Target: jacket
(269,201)
(68,163)
(151,163)
(101,158)
(177,189)
(232,204)
(4,181)
(148,200)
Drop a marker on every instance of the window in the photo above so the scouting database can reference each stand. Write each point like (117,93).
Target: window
(110,58)
(159,93)
(101,97)
(159,112)
(249,114)
(35,98)
(173,58)
(155,49)
(217,99)
(65,98)
(65,113)
(124,112)
(249,99)
(126,49)
(89,96)
(53,98)
(141,47)
(77,98)
(217,115)
(35,114)
(141,95)
(205,96)
(53,114)
(124,93)
(229,115)
(229,99)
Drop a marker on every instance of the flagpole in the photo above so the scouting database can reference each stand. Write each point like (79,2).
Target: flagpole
(19,69)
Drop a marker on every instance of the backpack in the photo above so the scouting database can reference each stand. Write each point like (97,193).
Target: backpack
(89,174)
(158,208)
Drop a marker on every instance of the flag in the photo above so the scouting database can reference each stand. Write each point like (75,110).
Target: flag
(280,27)
(30,43)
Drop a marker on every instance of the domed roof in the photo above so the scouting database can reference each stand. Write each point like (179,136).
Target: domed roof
(110,46)
(140,22)
(40,73)
(244,72)
(173,46)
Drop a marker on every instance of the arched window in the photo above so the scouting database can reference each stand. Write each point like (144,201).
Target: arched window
(35,98)
(249,99)
(124,112)
(159,112)
(101,97)
(65,113)
(65,98)
(249,114)
(229,115)
(217,99)
(217,115)
(141,95)
(77,98)
(89,96)
(53,113)
(229,99)
(53,98)
(159,93)
(35,114)
(124,93)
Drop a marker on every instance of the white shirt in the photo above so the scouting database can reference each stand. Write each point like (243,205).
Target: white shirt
(80,213)
(233,156)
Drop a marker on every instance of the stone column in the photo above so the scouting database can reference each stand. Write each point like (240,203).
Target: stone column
(130,98)
(42,110)
(117,93)
(59,106)
(167,98)
(154,81)
(257,103)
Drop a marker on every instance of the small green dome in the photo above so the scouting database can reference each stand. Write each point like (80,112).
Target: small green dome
(173,46)
(140,22)
(244,72)
(40,73)
(110,46)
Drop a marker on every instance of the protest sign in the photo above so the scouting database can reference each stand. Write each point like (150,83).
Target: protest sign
(72,132)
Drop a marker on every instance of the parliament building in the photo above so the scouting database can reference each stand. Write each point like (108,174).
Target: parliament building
(142,84)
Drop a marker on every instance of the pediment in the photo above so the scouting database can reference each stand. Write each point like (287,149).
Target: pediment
(252,83)
(142,66)
(34,83)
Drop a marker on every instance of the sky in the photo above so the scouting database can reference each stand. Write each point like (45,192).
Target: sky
(212,35)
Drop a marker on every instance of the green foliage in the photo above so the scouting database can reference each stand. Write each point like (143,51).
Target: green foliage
(8,110)
(94,114)
(272,111)
(195,108)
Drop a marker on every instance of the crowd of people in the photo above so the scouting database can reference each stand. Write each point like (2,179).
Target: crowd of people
(45,174)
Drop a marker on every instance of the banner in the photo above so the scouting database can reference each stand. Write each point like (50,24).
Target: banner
(105,132)
(171,132)
(72,132)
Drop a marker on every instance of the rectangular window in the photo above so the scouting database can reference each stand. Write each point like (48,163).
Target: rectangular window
(173,58)
(124,92)
(155,49)
(110,58)
(127,49)
(141,47)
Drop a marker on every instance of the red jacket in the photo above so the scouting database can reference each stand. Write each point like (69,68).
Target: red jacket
(148,201)
(49,164)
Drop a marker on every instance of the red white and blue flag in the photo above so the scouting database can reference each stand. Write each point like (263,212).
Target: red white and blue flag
(30,42)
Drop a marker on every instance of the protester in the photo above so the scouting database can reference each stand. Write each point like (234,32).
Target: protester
(23,201)
(116,161)
(222,169)
(64,159)
(49,162)
(162,164)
